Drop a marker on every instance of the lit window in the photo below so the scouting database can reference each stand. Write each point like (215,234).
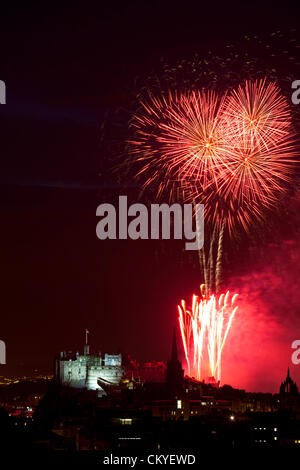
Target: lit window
(275,429)
(179,404)
(125,420)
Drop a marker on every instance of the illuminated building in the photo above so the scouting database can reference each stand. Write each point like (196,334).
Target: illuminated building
(105,373)
(89,371)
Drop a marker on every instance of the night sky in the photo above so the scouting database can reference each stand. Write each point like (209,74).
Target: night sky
(68,71)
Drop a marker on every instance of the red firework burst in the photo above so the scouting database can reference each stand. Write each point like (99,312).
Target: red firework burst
(258,114)
(262,154)
(234,154)
(181,138)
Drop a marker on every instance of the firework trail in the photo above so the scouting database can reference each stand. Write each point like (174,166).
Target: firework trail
(219,258)
(210,261)
(204,329)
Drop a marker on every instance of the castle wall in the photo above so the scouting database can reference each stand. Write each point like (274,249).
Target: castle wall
(73,372)
(111,374)
(84,371)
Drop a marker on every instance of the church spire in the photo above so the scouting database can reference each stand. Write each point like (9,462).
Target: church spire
(174,371)
(174,356)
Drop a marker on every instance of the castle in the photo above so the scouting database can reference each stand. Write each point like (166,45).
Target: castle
(104,373)
(89,371)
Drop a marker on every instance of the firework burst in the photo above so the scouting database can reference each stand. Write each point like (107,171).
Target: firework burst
(204,329)
(258,113)
(181,138)
(235,154)
(262,149)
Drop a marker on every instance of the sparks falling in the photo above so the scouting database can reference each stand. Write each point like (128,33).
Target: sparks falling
(204,329)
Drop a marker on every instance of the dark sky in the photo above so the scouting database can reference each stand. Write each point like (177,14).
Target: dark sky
(66,69)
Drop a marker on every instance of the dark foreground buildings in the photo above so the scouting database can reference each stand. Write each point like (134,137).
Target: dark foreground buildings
(112,403)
